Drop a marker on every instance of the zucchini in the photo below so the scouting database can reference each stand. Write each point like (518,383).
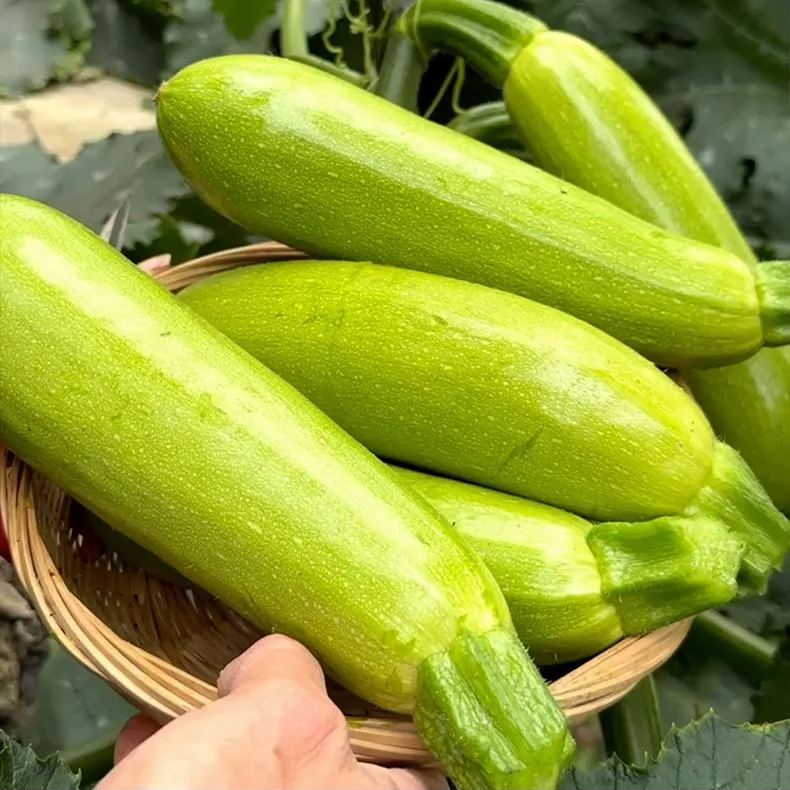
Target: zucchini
(583,118)
(488,387)
(569,599)
(180,440)
(297,155)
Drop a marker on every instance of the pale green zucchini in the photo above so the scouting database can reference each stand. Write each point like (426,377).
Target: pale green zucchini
(488,387)
(298,155)
(568,599)
(181,441)
(583,118)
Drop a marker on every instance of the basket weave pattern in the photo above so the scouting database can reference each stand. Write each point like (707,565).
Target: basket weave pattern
(162,645)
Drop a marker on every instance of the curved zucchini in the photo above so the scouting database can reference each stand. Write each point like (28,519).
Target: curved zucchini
(407,192)
(180,440)
(583,118)
(489,387)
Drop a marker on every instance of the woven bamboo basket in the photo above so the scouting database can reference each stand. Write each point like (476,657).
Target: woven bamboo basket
(162,644)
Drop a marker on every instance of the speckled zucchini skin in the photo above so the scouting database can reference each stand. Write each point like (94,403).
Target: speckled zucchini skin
(185,443)
(303,157)
(471,382)
(585,119)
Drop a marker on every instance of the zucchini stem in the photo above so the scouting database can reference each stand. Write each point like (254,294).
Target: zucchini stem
(485,712)
(489,35)
(733,495)
(400,72)
(659,571)
(294,46)
(632,727)
(293,34)
(773,289)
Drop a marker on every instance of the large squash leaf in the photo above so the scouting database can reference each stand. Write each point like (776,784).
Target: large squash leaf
(41,41)
(708,753)
(93,184)
(21,769)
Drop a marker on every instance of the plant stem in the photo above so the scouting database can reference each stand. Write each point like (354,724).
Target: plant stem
(293,37)
(400,73)
(725,638)
(632,727)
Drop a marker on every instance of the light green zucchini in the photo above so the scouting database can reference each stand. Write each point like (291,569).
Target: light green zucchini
(180,440)
(485,386)
(568,599)
(300,156)
(582,117)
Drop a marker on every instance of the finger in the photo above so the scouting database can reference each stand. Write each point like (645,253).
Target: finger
(134,732)
(270,658)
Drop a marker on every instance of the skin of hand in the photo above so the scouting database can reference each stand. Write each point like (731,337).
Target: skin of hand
(273,728)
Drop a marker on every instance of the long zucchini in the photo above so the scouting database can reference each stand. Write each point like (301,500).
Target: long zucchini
(572,588)
(306,158)
(583,118)
(488,387)
(183,442)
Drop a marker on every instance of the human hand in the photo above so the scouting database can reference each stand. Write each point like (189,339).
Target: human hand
(273,728)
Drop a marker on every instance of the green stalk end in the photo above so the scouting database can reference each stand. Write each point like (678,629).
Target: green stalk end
(489,35)
(485,712)
(734,496)
(773,290)
(658,572)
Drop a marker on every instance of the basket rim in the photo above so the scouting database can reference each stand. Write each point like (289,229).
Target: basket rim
(166,691)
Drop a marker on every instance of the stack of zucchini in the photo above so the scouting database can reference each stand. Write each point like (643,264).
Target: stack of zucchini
(490,329)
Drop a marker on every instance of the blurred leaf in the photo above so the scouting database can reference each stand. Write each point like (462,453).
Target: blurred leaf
(772,703)
(769,614)
(41,41)
(91,187)
(200,32)
(692,683)
(162,8)
(73,707)
(21,769)
(709,753)
(126,44)
(668,44)
(744,152)
(27,170)
(242,17)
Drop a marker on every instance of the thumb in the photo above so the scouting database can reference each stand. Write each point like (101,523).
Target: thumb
(274,657)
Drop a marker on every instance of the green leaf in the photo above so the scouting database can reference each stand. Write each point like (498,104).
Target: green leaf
(693,682)
(41,41)
(743,152)
(73,707)
(769,614)
(200,32)
(709,753)
(242,17)
(93,184)
(21,769)
(126,44)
